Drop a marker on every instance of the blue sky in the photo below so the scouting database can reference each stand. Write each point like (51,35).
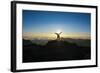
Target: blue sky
(51,21)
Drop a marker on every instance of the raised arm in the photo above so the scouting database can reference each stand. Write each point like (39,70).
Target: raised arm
(56,33)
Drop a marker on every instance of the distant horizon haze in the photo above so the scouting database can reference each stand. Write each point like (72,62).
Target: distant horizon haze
(52,36)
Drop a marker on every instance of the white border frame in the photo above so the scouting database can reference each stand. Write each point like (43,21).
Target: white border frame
(39,65)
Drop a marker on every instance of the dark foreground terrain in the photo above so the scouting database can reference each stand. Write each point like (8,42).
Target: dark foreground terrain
(54,51)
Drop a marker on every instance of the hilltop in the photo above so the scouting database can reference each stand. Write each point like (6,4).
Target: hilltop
(54,50)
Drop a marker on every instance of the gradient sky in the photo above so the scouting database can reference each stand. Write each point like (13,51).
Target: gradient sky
(51,21)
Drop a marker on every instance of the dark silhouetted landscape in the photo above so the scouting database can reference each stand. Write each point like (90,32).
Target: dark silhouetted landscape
(56,50)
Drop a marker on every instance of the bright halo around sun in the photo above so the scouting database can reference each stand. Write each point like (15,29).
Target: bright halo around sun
(58,31)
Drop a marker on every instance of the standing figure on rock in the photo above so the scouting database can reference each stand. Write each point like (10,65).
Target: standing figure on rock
(58,35)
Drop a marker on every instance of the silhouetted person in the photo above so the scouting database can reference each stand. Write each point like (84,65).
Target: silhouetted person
(58,35)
